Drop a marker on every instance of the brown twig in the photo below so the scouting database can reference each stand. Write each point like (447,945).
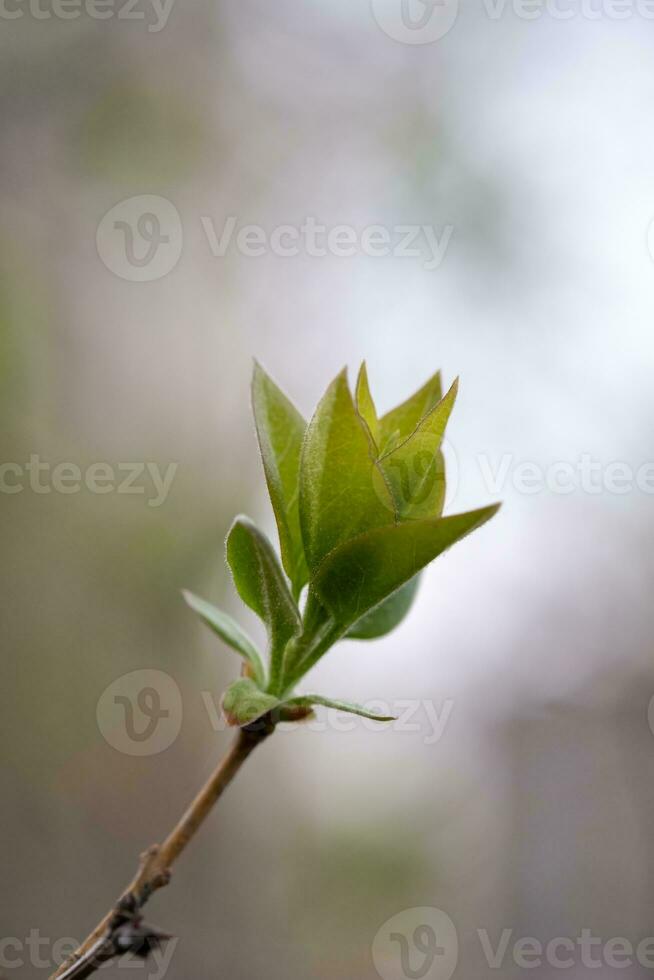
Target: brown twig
(121,929)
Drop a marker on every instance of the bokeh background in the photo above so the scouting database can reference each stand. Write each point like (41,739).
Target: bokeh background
(532,139)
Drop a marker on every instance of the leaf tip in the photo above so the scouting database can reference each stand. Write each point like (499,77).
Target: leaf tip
(241,520)
(486,513)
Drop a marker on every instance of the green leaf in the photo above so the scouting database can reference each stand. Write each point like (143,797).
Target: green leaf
(244,702)
(387,615)
(319,633)
(308,700)
(342,493)
(229,631)
(280,431)
(402,420)
(415,468)
(363,572)
(261,585)
(365,404)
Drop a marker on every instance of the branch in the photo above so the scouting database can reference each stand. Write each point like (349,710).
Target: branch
(122,929)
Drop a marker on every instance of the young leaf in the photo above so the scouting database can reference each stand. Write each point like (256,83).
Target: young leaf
(361,573)
(261,585)
(414,468)
(244,702)
(387,615)
(402,420)
(341,491)
(319,633)
(308,700)
(229,631)
(280,431)
(365,404)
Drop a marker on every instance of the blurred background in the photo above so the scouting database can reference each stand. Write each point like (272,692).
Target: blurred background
(130,137)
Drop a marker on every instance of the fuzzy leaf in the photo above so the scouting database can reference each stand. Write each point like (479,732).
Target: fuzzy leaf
(245,702)
(308,700)
(402,420)
(342,493)
(261,585)
(229,631)
(387,615)
(280,431)
(415,468)
(361,573)
(319,633)
(365,404)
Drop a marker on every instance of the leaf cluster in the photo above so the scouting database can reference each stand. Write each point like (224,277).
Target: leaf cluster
(358,502)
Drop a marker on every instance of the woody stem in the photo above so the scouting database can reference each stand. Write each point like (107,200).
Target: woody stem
(154,872)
